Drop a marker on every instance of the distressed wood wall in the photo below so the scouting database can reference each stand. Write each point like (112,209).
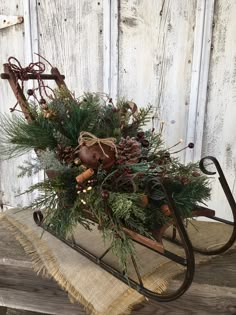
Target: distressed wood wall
(179,56)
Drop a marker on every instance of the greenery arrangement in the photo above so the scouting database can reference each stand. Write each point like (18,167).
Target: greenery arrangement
(99,161)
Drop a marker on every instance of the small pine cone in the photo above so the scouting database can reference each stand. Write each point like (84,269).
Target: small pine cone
(129,151)
(67,154)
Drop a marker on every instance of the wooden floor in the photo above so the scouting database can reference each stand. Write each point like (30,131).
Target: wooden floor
(212,292)
(12,311)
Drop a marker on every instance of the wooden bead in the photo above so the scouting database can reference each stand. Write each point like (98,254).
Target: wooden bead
(166,210)
(144,201)
(84,176)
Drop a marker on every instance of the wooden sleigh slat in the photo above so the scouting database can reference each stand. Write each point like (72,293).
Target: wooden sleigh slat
(144,240)
(34,76)
(19,94)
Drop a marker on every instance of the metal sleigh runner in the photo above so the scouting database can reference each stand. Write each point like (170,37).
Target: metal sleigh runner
(104,171)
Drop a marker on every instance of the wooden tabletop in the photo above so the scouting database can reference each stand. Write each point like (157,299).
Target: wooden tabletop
(212,292)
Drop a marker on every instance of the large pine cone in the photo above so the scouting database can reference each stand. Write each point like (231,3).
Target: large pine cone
(129,151)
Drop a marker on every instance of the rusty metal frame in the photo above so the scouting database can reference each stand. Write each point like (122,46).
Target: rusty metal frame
(231,201)
(187,261)
(155,245)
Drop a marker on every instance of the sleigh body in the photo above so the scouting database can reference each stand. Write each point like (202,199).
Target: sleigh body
(156,242)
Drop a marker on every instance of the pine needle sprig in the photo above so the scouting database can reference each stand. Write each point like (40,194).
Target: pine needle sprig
(45,161)
(17,136)
(72,117)
(144,116)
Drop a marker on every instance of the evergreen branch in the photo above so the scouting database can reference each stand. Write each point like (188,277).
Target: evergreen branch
(17,136)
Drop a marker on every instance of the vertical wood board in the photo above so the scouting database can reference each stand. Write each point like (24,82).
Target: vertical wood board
(155,58)
(71,38)
(220,127)
(199,77)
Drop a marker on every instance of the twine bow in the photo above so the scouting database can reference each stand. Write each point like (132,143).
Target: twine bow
(89,139)
(21,73)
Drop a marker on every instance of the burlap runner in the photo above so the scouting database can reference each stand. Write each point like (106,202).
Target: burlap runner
(98,291)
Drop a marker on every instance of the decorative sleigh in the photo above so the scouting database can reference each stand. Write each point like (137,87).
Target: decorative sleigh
(16,75)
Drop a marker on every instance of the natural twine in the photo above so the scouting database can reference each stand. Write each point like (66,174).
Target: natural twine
(89,139)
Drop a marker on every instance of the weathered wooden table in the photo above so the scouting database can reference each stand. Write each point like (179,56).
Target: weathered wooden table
(212,292)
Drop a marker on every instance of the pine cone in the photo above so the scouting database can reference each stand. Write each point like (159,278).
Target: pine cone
(129,151)
(67,154)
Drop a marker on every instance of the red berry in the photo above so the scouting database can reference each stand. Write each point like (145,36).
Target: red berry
(79,187)
(140,134)
(145,143)
(105,194)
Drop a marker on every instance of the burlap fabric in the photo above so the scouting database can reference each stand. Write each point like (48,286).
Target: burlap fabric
(99,292)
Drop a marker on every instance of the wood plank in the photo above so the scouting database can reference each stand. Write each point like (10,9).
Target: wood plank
(200,68)
(221,271)
(31,31)
(10,250)
(21,288)
(3,310)
(114,47)
(106,46)
(71,37)
(44,295)
(220,127)
(155,58)
(212,292)
(199,299)
(11,311)
(144,240)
